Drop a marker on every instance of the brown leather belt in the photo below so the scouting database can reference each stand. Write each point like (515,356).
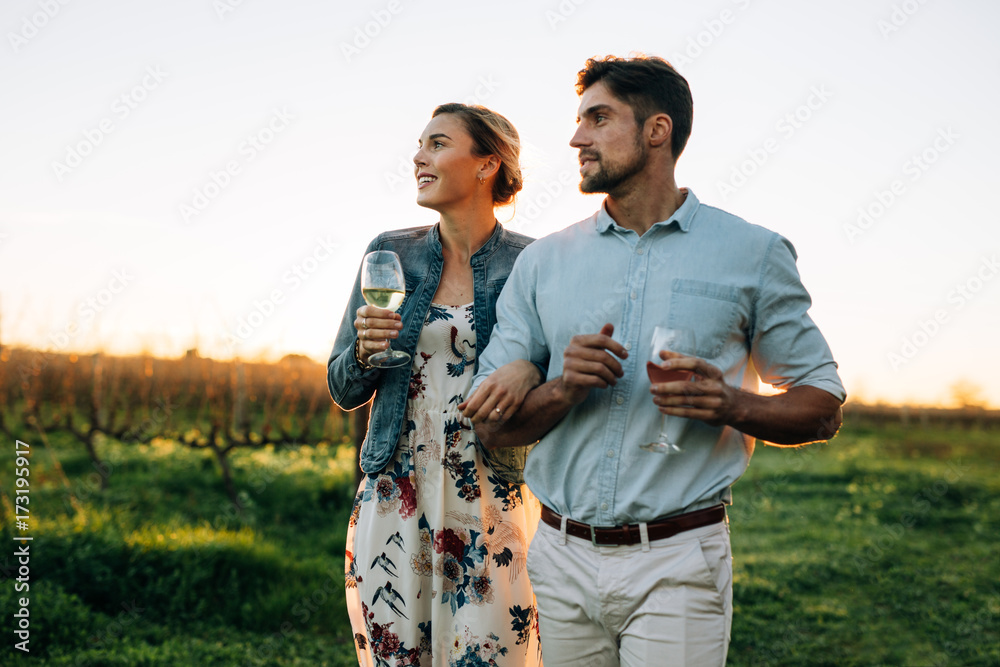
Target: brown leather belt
(629,534)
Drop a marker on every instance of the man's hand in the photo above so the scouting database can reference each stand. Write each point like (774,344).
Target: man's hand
(588,364)
(799,415)
(706,397)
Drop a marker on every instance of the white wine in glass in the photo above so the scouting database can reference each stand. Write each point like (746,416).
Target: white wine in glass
(680,341)
(389,299)
(383,286)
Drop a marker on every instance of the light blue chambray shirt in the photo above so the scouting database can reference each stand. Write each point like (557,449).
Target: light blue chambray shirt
(734,283)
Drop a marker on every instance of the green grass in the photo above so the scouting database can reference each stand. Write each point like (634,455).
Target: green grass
(879,548)
(160,569)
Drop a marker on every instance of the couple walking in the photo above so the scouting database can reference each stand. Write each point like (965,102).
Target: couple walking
(530,356)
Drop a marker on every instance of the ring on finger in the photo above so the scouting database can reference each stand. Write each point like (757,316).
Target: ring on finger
(364,322)
(499,411)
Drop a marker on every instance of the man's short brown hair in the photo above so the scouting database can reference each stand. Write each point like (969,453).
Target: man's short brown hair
(649,85)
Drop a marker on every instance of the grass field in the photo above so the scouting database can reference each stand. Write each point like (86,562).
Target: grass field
(880,548)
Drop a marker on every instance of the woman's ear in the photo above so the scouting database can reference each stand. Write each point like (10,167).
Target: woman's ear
(489,167)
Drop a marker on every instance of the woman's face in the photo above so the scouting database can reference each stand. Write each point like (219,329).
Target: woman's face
(447,172)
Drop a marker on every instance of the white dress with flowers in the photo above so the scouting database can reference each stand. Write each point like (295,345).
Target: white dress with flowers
(437,543)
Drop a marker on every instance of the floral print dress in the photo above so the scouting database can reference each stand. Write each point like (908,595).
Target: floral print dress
(437,543)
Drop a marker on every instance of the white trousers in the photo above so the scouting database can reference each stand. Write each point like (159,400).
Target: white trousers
(668,602)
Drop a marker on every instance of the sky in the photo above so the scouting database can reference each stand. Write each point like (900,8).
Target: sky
(207,173)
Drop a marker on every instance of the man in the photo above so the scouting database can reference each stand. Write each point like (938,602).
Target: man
(631,563)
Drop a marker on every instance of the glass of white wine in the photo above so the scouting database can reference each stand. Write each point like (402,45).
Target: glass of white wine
(383,286)
(673,340)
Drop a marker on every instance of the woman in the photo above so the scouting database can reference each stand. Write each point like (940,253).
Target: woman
(437,540)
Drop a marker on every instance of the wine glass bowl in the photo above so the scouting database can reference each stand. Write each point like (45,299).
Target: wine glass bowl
(384,286)
(681,341)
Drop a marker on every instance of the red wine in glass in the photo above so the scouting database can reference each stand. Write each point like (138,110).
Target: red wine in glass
(680,341)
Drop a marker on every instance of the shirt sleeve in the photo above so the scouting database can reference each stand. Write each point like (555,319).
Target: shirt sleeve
(787,347)
(518,332)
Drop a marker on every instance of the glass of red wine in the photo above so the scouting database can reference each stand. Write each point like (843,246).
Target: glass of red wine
(680,341)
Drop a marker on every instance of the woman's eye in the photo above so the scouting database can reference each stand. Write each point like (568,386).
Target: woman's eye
(438,144)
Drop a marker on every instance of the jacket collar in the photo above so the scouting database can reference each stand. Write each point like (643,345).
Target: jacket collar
(434,241)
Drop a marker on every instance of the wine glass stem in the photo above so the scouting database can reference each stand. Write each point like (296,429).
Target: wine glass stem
(663,429)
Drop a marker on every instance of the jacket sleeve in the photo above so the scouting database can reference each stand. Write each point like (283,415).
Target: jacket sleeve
(350,385)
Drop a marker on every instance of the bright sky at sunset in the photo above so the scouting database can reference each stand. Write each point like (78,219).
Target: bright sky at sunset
(208,172)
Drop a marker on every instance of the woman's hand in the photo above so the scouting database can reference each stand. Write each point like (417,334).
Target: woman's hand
(375,327)
(500,395)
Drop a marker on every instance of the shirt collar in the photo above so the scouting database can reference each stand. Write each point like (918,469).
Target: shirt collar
(683,216)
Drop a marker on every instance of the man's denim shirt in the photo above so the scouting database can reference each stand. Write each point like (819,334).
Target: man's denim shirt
(419,250)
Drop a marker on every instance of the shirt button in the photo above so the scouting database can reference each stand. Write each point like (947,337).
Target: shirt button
(611,453)
(633,294)
(604,506)
(619,400)
(628,346)
(639,251)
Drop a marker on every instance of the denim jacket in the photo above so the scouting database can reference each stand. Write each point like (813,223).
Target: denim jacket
(419,250)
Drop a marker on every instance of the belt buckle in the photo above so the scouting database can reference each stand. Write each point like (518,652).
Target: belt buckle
(593,536)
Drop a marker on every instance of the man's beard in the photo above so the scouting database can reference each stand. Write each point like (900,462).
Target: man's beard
(609,178)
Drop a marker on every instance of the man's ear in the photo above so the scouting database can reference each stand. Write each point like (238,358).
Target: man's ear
(659,129)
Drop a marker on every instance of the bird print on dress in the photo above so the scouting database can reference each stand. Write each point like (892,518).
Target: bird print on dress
(396,539)
(384,563)
(462,352)
(390,597)
(504,541)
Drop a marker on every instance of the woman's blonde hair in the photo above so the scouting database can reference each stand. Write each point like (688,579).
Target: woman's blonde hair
(492,134)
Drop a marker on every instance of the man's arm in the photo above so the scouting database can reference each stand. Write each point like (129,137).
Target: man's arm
(543,408)
(788,351)
(796,417)
(799,415)
(587,364)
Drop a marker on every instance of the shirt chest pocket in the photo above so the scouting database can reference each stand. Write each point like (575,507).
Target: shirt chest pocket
(710,309)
